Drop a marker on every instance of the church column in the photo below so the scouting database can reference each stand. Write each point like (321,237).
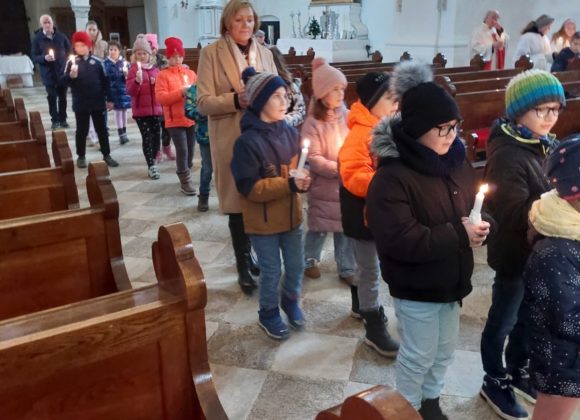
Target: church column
(209,14)
(81,10)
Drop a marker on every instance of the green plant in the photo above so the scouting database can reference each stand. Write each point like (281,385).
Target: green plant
(314,28)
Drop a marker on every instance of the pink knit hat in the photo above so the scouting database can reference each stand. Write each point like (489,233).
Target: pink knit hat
(152,39)
(325,78)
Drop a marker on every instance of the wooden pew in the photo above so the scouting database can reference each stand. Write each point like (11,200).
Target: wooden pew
(137,354)
(57,258)
(292,59)
(18,128)
(13,113)
(380,402)
(27,153)
(37,191)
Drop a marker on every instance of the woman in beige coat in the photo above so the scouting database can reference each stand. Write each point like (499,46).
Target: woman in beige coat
(222,98)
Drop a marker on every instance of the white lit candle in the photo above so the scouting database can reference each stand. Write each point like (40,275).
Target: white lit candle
(252,58)
(475,215)
(74,66)
(51,52)
(185,80)
(303,155)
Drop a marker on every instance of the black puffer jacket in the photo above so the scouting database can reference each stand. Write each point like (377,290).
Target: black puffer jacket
(414,208)
(515,177)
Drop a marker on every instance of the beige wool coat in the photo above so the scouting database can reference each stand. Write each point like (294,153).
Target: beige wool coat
(218,78)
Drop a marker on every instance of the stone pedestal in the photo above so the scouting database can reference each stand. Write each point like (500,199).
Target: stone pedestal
(208,15)
(333,50)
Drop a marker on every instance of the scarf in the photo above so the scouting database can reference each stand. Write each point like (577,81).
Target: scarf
(254,57)
(524,135)
(555,217)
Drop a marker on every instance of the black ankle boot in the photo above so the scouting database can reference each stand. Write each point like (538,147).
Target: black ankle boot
(354,306)
(430,410)
(241,246)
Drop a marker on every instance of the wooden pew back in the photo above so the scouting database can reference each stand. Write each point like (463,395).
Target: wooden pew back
(17,129)
(57,258)
(25,153)
(138,354)
(37,191)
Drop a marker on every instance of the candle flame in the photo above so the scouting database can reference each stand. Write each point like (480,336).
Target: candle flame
(71,57)
(483,189)
(306,143)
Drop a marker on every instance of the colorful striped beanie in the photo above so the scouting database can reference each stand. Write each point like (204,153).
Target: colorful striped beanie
(260,86)
(529,89)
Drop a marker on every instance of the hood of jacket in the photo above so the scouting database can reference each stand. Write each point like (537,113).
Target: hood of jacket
(383,145)
(502,135)
(360,115)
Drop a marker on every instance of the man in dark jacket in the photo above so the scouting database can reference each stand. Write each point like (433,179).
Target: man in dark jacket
(515,152)
(49,50)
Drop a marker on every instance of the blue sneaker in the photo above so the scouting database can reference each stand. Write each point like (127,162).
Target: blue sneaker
(522,385)
(272,323)
(500,397)
(292,309)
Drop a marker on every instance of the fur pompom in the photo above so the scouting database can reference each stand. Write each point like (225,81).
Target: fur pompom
(318,62)
(409,74)
(247,73)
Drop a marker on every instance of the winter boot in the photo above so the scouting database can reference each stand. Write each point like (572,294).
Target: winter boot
(271,322)
(168,151)
(242,249)
(354,309)
(291,308)
(202,203)
(430,410)
(187,187)
(377,335)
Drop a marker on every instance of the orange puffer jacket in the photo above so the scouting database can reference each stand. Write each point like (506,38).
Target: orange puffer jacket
(355,163)
(168,87)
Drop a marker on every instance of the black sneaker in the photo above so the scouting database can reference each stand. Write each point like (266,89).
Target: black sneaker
(64,124)
(500,397)
(522,385)
(110,161)
(81,162)
(55,126)
(430,410)
(377,336)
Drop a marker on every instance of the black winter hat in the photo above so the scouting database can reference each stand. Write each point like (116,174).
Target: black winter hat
(424,104)
(371,87)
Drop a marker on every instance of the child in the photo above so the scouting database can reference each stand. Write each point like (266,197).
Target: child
(296,108)
(417,208)
(91,97)
(325,128)
(99,50)
(159,61)
(516,148)
(356,172)
(272,211)
(146,109)
(567,54)
(116,70)
(171,87)
(202,137)
(552,285)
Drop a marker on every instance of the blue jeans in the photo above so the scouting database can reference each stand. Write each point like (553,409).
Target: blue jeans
(267,248)
(506,317)
(343,252)
(429,334)
(206,169)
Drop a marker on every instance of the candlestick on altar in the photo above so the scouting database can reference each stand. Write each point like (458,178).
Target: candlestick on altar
(475,215)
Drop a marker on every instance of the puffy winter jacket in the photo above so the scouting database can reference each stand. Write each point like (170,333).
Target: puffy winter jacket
(143,100)
(168,87)
(117,83)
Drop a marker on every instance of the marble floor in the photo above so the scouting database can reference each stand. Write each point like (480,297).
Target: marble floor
(257,377)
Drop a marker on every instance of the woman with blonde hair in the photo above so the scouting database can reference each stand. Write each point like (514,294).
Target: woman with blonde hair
(563,37)
(222,97)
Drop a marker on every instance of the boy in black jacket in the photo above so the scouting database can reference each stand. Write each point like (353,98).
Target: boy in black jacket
(91,95)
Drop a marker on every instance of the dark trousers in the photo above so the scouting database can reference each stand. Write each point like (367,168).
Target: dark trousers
(506,319)
(57,110)
(165,136)
(184,141)
(100,123)
(150,129)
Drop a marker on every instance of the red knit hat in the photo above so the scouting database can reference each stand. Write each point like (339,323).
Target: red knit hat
(82,37)
(174,46)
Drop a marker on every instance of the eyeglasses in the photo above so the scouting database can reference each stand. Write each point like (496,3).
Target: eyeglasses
(446,129)
(544,112)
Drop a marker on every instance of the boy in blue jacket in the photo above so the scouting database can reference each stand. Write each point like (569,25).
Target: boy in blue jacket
(263,156)
(91,97)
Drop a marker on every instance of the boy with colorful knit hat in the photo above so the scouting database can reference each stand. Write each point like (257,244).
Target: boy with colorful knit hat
(552,287)
(91,97)
(263,157)
(516,149)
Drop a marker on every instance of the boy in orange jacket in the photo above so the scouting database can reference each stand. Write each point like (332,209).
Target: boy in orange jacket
(171,88)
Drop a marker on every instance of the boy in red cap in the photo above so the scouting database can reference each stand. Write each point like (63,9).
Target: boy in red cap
(91,97)
(171,88)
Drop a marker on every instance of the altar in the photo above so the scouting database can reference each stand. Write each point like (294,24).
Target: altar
(16,65)
(333,50)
